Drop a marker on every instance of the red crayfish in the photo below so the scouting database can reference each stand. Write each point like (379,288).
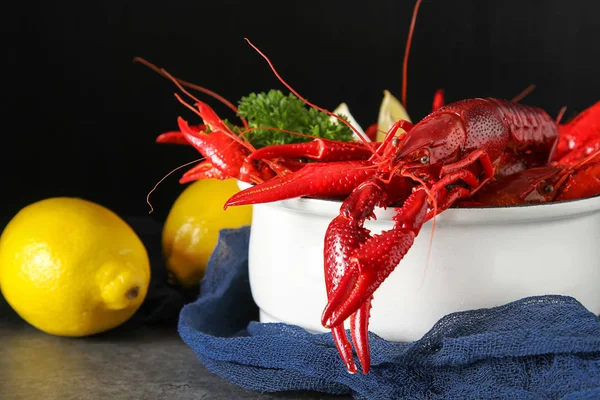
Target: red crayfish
(451,155)
(476,152)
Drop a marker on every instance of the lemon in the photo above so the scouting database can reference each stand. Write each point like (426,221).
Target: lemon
(192,227)
(71,267)
(391,111)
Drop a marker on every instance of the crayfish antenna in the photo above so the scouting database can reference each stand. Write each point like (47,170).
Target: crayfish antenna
(287,85)
(163,72)
(407,50)
(165,177)
(199,104)
(243,141)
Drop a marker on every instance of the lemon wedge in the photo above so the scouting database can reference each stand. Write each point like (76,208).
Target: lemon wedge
(390,112)
(343,110)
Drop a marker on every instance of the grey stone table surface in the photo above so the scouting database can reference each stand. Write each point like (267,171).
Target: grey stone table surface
(129,362)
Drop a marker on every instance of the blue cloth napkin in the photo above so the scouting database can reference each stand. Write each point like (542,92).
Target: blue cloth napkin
(544,347)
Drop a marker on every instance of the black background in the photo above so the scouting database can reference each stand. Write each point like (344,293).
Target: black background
(81,117)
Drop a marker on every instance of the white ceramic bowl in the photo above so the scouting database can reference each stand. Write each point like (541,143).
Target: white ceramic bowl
(479,258)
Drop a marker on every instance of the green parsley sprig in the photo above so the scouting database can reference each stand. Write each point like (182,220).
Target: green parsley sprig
(276,110)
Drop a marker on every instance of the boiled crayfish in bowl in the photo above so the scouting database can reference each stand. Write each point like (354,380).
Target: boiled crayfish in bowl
(338,237)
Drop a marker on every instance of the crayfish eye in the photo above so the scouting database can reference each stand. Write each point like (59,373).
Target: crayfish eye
(548,188)
(424,160)
(395,142)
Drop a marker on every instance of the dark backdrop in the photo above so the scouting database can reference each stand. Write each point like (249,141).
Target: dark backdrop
(81,117)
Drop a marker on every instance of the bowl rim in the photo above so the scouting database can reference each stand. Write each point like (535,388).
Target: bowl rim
(307,198)
(455,216)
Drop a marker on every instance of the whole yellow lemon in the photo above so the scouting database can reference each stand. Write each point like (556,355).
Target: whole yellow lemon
(71,267)
(192,227)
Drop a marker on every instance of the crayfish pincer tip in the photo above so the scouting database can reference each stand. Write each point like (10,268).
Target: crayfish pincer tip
(232,202)
(326,319)
(350,366)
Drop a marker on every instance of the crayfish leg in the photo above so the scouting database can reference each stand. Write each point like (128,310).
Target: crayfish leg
(177,137)
(471,158)
(174,137)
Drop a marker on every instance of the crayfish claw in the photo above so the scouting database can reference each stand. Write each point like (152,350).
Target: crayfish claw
(375,260)
(204,170)
(337,297)
(359,327)
(344,347)
(329,179)
(320,149)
